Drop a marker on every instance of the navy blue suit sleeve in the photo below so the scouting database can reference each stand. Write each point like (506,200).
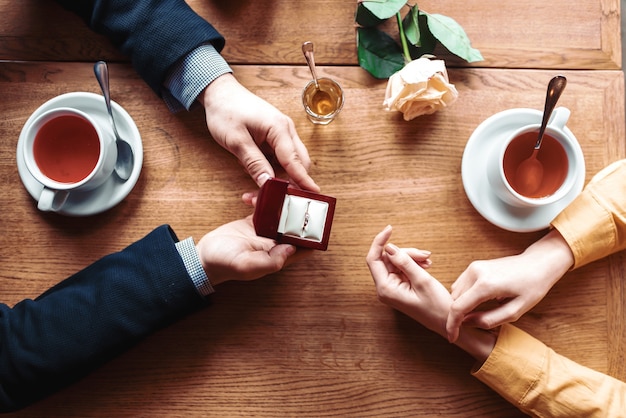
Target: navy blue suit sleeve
(92,316)
(155,34)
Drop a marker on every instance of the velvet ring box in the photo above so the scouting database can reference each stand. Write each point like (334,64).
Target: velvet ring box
(293,216)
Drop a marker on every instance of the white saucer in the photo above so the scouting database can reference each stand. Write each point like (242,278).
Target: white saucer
(478,190)
(113,190)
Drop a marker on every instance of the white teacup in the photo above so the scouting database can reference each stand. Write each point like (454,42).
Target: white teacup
(67,151)
(560,154)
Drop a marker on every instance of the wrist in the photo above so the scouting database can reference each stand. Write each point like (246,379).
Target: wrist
(211,93)
(553,254)
(478,343)
(211,265)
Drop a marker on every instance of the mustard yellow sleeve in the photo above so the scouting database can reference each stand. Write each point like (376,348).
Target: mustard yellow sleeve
(542,383)
(594,224)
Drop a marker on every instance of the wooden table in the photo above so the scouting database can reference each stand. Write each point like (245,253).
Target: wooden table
(313,340)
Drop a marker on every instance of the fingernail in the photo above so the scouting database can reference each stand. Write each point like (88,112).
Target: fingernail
(391,249)
(291,250)
(262,178)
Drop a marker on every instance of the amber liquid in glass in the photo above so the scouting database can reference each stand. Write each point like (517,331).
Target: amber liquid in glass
(322,103)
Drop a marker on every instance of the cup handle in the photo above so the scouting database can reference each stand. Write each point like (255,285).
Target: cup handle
(51,200)
(559,118)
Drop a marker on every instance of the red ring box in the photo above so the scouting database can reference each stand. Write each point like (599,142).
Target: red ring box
(293,216)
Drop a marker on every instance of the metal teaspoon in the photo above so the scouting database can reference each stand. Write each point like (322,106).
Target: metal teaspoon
(125,157)
(530,171)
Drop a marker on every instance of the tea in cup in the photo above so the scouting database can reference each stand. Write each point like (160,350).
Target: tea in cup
(67,151)
(560,158)
(322,104)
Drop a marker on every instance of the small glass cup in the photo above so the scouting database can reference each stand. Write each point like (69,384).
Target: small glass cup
(323,105)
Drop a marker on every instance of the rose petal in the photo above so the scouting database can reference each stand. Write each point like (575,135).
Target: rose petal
(420,88)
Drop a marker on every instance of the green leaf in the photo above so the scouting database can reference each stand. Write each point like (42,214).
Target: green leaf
(378,53)
(452,36)
(427,40)
(384,9)
(365,18)
(412,27)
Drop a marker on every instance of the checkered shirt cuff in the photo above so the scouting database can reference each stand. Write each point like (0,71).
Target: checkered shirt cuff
(191,75)
(187,251)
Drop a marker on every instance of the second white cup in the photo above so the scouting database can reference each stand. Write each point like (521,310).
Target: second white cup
(560,156)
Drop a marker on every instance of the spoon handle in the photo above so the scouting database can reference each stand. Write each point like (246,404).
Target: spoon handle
(555,88)
(101,70)
(307,50)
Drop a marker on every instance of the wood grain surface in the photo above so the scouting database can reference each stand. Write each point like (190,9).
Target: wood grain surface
(538,34)
(312,340)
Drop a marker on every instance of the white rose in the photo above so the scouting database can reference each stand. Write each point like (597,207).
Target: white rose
(420,88)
